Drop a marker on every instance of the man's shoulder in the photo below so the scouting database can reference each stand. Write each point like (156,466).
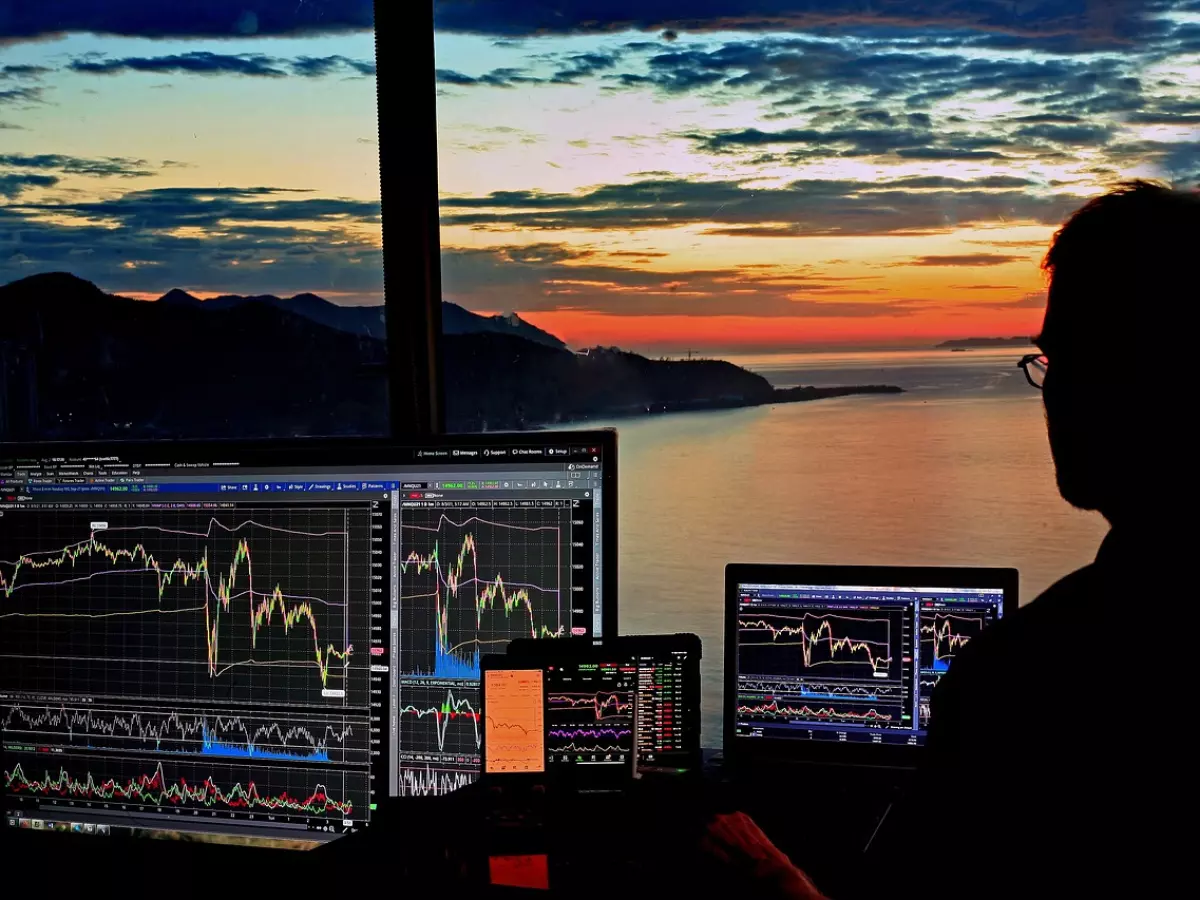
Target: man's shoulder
(1019,638)
(1068,597)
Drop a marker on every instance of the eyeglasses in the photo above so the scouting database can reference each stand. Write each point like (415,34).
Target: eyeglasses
(1034,366)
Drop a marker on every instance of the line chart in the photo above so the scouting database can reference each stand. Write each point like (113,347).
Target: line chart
(847,647)
(874,653)
(472,581)
(339,739)
(946,635)
(773,709)
(431,782)
(132,782)
(261,605)
(441,719)
(603,703)
(572,747)
(597,733)
(590,714)
(515,741)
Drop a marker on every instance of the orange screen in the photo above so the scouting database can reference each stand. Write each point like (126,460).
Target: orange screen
(513,715)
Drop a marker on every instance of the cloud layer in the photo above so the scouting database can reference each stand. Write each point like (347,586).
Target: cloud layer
(260,238)
(211,18)
(1066,24)
(802,208)
(203,62)
(556,276)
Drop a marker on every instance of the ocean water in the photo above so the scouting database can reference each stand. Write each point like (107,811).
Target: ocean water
(955,472)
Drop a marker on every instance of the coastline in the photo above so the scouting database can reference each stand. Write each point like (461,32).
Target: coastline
(782,395)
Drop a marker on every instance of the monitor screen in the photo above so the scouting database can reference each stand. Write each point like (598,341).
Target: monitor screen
(267,640)
(628,705)
(591,715)
(514,722)
(847,663)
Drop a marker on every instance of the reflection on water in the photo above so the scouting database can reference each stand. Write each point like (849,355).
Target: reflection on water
(956,472)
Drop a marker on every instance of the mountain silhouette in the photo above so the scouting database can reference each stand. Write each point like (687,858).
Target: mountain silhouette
(503,382)
(367,321)
(177,297)
(76,362)
(79,363)
(457,320)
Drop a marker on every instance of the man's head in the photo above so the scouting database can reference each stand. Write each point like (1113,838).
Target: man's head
(1119,333)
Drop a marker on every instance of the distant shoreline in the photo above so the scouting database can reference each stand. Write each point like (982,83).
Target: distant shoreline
(781,395)
(973,342)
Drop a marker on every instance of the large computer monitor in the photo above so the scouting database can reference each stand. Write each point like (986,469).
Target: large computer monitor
(268,640)
(838,663)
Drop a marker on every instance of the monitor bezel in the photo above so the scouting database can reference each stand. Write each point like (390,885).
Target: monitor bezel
(742,754)
(360,451)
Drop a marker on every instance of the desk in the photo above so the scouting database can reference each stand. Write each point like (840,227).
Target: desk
(645,843)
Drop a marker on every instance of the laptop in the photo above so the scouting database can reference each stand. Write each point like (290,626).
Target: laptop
(837,664)
(829,671)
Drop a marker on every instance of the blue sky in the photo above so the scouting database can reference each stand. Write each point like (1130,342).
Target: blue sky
(190,149)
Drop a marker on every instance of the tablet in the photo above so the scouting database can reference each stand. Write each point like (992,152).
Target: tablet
(621,709)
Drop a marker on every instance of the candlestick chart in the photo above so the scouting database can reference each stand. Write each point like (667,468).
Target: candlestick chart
(250,605)
(831,666)
(471,581)
(859,644)
(944,634)
(215,659)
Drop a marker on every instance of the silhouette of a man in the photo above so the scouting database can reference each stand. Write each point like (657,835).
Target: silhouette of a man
(1059,752)
(1061,758)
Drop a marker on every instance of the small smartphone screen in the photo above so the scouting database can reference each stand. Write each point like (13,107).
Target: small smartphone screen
(515,738)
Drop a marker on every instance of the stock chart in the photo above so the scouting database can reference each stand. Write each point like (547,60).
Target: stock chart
(199,731)
(473,576)
(252,606)
(590,711)
(188,658)
(837,645)
(943,634)
(473,581)
(514,722)
(841,667)
(441,718)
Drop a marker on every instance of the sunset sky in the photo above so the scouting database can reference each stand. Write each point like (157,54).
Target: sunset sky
(727,174)
(222,147)
(735,175)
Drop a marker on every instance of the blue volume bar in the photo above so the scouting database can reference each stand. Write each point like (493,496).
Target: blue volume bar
(212,747)
(450,665)
(940,665)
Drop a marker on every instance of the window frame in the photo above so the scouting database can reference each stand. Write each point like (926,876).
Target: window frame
(405,80)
